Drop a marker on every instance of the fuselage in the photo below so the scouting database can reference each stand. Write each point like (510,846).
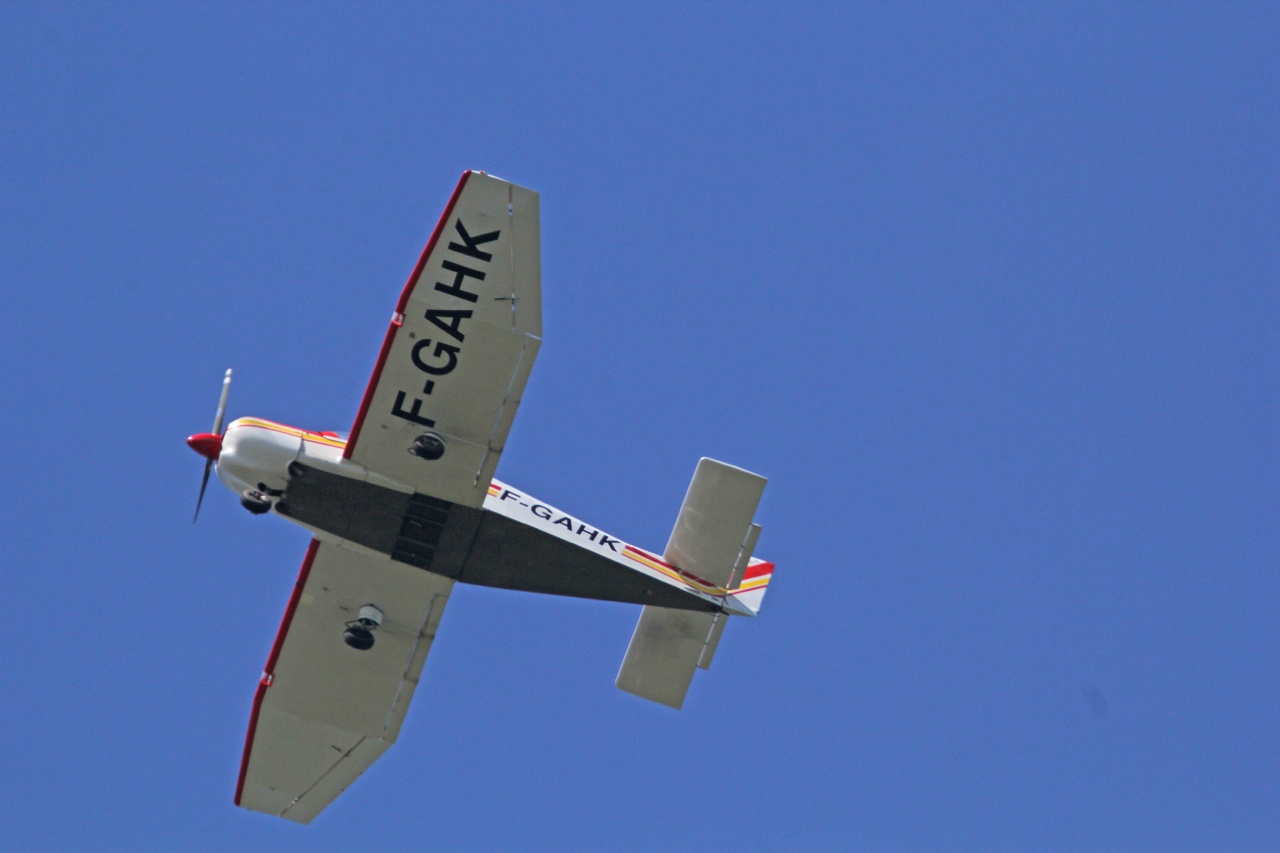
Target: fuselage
(301,475)
(256,454)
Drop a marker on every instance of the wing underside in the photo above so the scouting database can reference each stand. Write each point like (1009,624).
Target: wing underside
(460,347)
(325,711)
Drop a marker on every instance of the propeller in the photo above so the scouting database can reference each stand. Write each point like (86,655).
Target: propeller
(209,445)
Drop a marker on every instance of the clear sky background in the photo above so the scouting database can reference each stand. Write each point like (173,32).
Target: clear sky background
(989,292)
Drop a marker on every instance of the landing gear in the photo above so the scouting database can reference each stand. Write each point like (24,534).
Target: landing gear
(428,446)
(359,632)
(255,501)
(358,636)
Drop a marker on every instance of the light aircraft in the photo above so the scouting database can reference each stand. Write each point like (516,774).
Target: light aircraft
(406,505)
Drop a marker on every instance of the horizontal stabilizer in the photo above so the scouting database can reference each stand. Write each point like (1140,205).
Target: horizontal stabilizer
(664,652)
(712,545)
(714,520)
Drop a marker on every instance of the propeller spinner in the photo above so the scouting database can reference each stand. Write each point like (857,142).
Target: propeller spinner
(209,444)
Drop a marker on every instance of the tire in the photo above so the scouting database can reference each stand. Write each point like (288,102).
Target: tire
(427,446)
(358,638)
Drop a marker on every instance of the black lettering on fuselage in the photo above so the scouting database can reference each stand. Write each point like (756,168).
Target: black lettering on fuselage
(546,513)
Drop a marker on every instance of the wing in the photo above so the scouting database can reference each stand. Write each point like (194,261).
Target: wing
(325,711)
(460,347)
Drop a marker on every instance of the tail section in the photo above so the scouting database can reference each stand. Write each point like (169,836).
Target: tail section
(713,540)
(714,521)
(755,580)
(664,652)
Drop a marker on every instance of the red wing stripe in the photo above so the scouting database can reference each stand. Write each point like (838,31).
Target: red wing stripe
(368,392)
(270,668)
(248,738)
(400,306)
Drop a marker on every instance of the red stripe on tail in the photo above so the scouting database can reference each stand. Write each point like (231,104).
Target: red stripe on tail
(757,570)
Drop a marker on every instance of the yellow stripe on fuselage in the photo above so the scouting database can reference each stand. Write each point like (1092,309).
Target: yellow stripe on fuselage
(288,430)
(632,553)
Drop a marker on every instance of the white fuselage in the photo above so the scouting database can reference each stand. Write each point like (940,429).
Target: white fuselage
(256,454)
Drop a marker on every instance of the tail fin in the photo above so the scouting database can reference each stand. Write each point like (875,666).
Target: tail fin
(713,540)
(755,581)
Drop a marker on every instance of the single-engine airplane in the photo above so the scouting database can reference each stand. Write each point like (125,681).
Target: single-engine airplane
(406,505)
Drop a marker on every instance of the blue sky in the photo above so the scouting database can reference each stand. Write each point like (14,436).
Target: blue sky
(987,291)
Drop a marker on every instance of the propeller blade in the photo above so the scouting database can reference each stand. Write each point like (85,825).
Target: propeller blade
(222,404)
(208,466)
(217,430)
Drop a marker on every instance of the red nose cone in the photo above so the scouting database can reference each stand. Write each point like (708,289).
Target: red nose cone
(206,444)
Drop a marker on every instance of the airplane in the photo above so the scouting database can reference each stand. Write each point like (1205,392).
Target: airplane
(406,505)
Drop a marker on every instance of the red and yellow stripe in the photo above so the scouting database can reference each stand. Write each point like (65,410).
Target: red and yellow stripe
(647,559)
(755,577)
(327,438)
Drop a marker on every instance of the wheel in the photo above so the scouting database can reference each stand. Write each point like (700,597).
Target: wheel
(428,446)
(358,637)
(255,501)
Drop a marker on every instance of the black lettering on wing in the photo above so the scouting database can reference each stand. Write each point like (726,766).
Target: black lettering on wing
(470,242)
(397,409)
(455,320)
(460,274)
(442,349)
